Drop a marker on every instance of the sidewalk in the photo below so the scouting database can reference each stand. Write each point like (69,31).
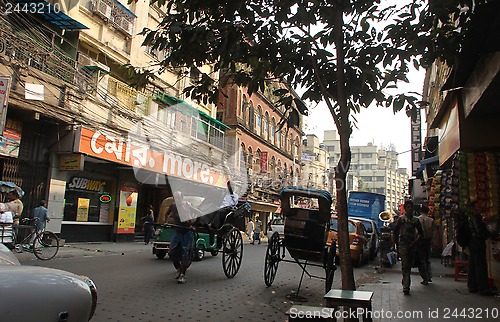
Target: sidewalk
(443,299)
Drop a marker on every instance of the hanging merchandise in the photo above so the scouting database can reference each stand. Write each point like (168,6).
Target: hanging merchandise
(435,196)
(463,181)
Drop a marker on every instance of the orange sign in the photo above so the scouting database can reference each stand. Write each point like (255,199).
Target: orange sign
(135,154)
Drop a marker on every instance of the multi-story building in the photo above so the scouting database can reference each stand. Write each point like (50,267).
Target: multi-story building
(315,165)
(80,133)
(270,155)
(377,169)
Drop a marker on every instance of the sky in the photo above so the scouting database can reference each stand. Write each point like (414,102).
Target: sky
(375,124)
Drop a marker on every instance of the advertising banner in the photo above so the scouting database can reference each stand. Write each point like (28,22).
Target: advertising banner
(366,205)
(82,213)
(263,162)
(11,138)
(128,209)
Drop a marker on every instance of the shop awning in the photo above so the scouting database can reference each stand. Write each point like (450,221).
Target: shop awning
(53,14)
(263,206)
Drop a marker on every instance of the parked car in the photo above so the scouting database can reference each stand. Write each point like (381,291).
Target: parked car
(276,224)
(371,230)
(358,239)
(32,293)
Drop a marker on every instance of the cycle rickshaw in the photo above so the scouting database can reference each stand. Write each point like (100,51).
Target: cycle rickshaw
(225,239)
(306,213)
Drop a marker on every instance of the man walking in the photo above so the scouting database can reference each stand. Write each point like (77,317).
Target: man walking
(406,237)
(424,245)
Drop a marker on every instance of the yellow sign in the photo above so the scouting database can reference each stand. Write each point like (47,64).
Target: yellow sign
(71,162)
(126,215)
(82,213)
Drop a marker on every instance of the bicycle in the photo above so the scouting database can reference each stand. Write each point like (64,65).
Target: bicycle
(43,243)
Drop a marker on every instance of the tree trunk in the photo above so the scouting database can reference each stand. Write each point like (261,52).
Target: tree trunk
(344,129)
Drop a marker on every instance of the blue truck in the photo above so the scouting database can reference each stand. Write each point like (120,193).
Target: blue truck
(366,205)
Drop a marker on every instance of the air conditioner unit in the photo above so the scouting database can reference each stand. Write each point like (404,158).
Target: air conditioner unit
(101,8)
(127,26)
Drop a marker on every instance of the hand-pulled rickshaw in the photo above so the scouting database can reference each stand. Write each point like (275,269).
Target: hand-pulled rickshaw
(306,213)
(216,235)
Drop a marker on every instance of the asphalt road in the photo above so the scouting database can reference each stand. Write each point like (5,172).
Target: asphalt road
(136,286)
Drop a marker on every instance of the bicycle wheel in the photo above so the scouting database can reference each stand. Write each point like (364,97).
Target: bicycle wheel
(46,245)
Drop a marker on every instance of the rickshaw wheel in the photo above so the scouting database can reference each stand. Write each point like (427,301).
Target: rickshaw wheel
(232,252)
(273,257)
(330,267)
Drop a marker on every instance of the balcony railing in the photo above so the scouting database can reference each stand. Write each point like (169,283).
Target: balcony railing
(24,49)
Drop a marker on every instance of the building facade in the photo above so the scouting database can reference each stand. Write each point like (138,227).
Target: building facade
(377,170)
(80,135)
(269,155)
(315,165)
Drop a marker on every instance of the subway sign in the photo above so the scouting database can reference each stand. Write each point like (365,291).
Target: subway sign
(81,183)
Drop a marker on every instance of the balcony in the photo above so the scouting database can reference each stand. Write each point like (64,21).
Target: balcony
(115,14)
(20,48)
(201,126)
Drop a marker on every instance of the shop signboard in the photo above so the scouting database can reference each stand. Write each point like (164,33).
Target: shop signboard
(263,162)
(11,138)
(82,213)
(128,209)
(449,134)
(71,162)
(138,155)
(4,98)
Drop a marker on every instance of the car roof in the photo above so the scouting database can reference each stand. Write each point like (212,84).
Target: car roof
(349,218)
(364,219)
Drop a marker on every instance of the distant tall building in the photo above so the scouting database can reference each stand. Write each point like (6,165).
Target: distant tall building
(315,161)
(377,170)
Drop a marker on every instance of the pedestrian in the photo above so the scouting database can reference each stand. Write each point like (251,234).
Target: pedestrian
(41,215)
(181,251)
(477,273)
(148,225)
(15,205)
(249,230)
(406,233)
(257,230)
(424,245)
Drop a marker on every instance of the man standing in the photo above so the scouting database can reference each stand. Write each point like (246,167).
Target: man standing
(41,214)
(406,238)
(424,245)
(477,276)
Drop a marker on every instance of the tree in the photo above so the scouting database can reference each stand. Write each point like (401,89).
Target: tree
(347,54)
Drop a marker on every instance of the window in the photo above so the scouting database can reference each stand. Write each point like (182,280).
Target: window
(220,116)
(366,155)
(380,178)
(330,148)
(251,118)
